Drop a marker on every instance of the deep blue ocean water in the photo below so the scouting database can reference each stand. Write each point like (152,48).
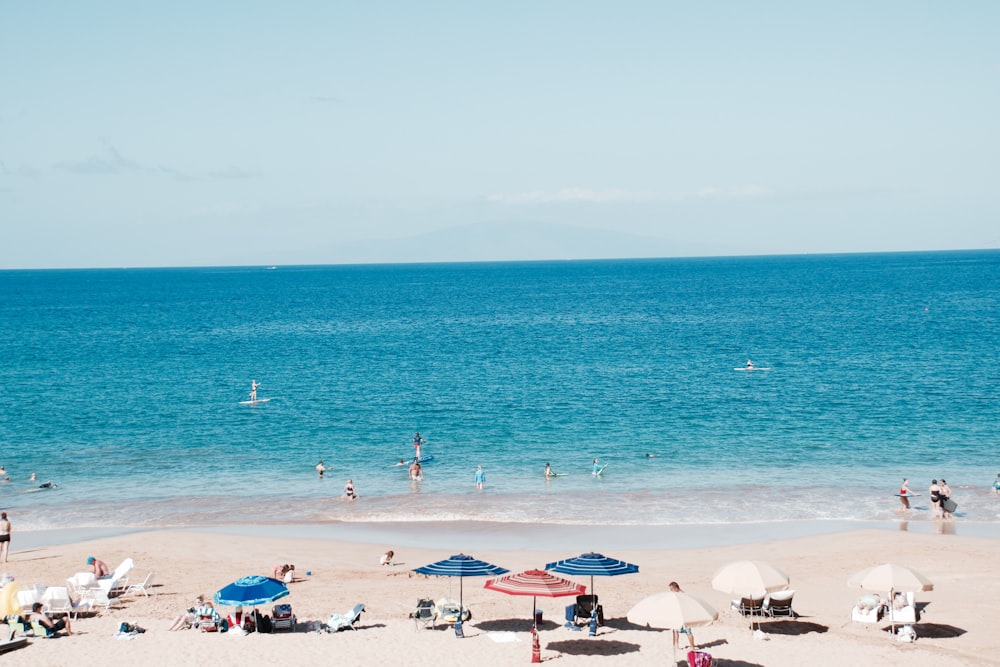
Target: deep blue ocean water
(123,388)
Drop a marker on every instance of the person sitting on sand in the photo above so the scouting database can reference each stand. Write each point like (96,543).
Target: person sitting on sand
(99,566)
(189,617)
(386,558)
(52,628)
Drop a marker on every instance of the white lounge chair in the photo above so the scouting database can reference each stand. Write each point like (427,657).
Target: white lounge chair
(56,600)
(96,598)
(118,580)
(868,610)
(145,587)
(338,622)
(28,596)
(902,609)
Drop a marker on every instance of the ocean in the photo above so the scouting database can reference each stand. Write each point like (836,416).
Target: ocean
(123,388)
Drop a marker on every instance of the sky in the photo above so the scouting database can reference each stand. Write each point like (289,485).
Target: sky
(244,133)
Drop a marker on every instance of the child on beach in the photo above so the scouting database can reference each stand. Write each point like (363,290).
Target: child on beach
(683,630)
(386,558)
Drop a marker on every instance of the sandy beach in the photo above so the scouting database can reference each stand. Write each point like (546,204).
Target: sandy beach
(957,626)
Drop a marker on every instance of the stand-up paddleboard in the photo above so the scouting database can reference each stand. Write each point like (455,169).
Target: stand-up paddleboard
(750,368)
(949,505)
(557,474)
(255,402)
(409,462)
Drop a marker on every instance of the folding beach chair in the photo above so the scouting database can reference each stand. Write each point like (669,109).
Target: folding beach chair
(425,614)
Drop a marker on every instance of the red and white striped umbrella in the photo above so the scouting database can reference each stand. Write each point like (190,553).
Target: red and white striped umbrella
(536,583)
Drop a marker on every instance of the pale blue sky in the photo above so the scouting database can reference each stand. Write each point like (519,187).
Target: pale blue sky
(174,134)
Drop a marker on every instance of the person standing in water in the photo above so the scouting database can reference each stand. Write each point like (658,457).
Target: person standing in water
(480,477)
(548,471)
(417,441)
(349,490)
(320,468)
(904,491)
(253,389)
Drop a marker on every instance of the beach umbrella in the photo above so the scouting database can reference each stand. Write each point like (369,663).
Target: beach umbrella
(461,566)
(594,565)
(251,591)
(536,583)
(9,603)
(890,577)
(750,579)
(671,611)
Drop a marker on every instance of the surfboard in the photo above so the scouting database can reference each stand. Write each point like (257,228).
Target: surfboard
(751,368)
(409,462)
(259,400)
(601,471)
(949,505)
(906,495)
(558,474)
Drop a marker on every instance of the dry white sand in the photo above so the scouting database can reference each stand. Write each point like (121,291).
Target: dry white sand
(958,625)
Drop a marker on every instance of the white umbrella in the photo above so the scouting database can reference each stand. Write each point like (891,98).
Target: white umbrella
(890,577)
(672,611)
(749,578)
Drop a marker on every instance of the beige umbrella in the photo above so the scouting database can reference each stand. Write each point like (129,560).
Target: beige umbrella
(890,577)
(672,611)
(749,578)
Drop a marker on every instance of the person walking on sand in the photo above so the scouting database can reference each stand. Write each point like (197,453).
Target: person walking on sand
(683,630)
(320,468)
(253,389)
(480,477)
(904,491)
(4,536)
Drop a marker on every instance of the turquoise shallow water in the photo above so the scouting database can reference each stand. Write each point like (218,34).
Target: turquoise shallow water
(122,386)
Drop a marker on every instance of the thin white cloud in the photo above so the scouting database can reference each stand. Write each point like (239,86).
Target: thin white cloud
(227,210)
(583,195)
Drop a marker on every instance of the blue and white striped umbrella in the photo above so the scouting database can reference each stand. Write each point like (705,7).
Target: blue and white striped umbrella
(251,591)
(594,565)
(461,566)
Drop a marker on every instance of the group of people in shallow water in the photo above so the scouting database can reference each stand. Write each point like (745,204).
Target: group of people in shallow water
(939,493)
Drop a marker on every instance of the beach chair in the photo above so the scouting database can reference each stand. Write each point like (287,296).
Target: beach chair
(585,607)
(902,609)
(425,615)
(448,611)
(282,619)
(145,587)
(56,600)
(749,606)
(700,659)
(26,597)
(118,580)
(868,610)
(780,604)
(338,622)
(208,619)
